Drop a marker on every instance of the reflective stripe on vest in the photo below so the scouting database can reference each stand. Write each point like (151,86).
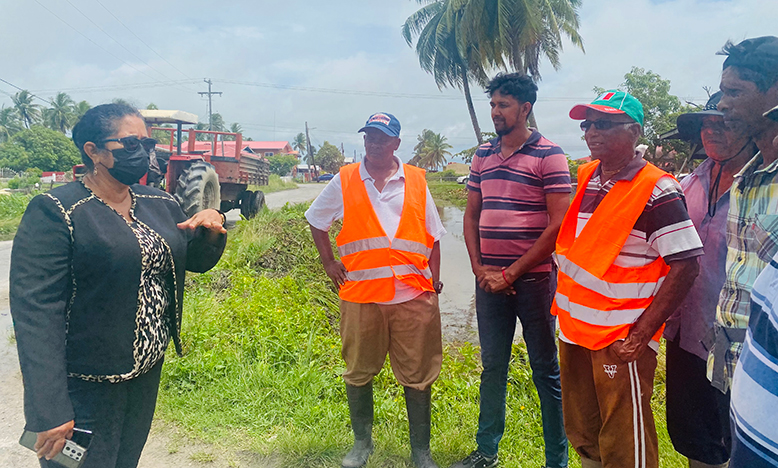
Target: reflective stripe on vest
(372,259)
(387,272)
(597,301)
(383,243)
(612,290)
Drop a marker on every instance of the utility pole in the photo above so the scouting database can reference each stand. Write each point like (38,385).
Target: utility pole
(342,151)
(210,104)
(310,150)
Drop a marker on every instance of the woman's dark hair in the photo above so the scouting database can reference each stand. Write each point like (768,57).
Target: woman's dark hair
(97,124)
(520,87)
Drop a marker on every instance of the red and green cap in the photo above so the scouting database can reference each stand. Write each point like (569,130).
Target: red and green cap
(611,102)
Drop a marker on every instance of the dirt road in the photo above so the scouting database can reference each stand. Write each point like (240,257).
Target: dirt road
(166,447)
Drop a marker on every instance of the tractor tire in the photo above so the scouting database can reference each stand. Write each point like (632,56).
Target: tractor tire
(198,188)
(251,203)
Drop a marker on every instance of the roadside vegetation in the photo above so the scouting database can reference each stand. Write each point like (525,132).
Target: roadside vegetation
(261,369)
(274,184)
(445,189)
(12,208)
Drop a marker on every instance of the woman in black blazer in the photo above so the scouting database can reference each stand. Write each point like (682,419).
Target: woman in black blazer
(96,289)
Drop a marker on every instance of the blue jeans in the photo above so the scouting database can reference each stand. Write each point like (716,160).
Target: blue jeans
(497,315)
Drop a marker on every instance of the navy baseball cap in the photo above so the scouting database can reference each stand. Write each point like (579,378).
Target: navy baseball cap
(385,122)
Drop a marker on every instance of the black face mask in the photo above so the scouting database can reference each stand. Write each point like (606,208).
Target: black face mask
(128,168)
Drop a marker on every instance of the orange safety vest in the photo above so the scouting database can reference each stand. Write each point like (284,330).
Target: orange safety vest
(372,259)
(596,301)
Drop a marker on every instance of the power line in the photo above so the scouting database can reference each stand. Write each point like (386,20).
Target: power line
(383,94)
(142,41)
(20,89)
(149,84)
(93,42)
(115,40)
(209,93)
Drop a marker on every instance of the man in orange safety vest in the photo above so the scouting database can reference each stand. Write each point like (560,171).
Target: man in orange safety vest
(627,254)
(388,282)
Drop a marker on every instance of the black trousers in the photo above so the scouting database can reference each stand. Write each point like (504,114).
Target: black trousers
(118,414)
(697,413)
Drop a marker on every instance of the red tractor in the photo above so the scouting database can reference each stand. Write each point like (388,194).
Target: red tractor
(202,174)
(214,173)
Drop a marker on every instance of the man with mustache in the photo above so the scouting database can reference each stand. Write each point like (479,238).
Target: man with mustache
(519,190)
(627,254)
(697,413)
(388,281)
(749,83)
(754,396)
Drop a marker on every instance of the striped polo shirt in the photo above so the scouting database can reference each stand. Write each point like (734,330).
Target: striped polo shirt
(513,193)
(664,229)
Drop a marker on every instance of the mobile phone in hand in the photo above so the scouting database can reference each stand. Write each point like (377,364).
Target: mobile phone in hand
(73,453)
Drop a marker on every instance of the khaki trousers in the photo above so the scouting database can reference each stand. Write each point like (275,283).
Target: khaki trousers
(409,332)
(607,406)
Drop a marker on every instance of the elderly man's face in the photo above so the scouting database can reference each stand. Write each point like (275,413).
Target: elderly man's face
(743,105)
(617,140)
(378,144)
(719,141)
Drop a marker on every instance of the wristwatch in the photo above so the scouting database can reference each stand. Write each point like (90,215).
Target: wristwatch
(438,285)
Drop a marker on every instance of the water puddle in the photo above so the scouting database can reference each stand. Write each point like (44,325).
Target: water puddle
(457,302)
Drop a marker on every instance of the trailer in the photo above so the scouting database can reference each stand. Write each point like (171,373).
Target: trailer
(214,173)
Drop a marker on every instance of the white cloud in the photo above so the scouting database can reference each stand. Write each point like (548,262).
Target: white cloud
(351,46)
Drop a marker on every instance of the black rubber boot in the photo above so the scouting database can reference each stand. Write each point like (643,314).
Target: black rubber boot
(360,405)
(417,402)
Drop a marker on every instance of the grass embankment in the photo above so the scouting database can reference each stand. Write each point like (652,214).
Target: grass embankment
(262,365)
(12,208)
(274,184)
(448,193)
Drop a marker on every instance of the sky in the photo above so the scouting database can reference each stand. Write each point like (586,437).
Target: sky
(332,64)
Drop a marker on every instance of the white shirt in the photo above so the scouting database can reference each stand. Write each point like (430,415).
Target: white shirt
(387,204)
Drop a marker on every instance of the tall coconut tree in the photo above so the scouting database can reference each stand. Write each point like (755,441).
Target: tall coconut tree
(300,144)
(517,34)
(436,151)
(61,115)
(9,123)
(80,109)
(28,111)
(442,52)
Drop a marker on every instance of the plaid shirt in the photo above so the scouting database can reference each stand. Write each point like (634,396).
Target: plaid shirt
(752,241)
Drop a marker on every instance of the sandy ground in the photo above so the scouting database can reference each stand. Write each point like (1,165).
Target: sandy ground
(166,446)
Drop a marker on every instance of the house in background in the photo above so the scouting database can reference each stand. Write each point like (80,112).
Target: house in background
(270,148)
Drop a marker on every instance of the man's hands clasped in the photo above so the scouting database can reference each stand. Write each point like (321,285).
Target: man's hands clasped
(492,279)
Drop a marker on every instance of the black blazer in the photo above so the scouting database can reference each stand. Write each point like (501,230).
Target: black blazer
(75,275)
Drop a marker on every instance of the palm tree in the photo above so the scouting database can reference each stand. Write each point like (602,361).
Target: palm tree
(9,123)
(80,109)
(436,151)
(60,116)
(236,128)
(29,113)
(442,52)
(300,144)
(520,33)
(419,150)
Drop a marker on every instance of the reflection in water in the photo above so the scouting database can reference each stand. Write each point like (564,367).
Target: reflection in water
(457,302)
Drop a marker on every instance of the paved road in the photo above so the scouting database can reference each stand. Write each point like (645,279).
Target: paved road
(158,453)
(275,200)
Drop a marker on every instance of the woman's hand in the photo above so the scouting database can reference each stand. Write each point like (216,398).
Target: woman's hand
(209,219)
(51,442)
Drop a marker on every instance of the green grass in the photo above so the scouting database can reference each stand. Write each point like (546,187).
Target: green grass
(262,366)
(275,184)
(448,193)
(12,208)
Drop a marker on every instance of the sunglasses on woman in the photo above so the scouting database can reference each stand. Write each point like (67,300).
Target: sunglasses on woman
(601,124)
(132,143)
